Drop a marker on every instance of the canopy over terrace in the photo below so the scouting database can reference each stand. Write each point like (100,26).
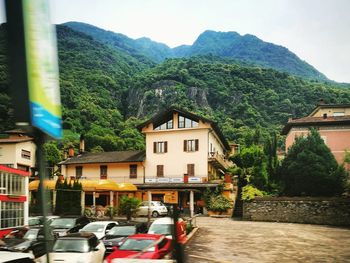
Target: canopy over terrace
(92,190)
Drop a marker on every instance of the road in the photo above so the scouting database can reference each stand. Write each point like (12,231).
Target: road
(225,240)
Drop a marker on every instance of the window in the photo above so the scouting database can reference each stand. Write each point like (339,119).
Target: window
(160,170)
(337,114)
(187,123)
(78,171)
(190,169)
(191,145)
(25,154)
(165,126)
(12,214)
(23,167)
(133,171)
(160,147)
(11,184)
(103,171)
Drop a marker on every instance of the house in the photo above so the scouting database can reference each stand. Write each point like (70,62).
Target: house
(185,154)
(17,150)
(332,122)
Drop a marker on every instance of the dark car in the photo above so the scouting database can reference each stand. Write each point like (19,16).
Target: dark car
(32,241)
(66,225)
(118,234)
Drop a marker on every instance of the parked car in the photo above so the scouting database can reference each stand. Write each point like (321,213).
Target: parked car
(99,228)
(119,233)
(37,221)
(163,226)
(157,208)
(16,257)
(32,242)
(77,247)
(65,225)
(142,246)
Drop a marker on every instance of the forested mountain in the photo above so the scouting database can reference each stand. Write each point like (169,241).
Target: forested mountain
(106,92)
(232,45)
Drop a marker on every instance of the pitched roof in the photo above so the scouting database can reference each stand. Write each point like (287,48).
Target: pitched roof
(107,157)
(163,116)
(315,121)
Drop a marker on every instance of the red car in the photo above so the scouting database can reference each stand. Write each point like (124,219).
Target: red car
(154,247)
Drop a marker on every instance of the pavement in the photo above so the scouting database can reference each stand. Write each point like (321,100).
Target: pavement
(224,240)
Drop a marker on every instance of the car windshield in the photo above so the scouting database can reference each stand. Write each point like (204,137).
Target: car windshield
(94,228)
(122,231)
(71,245)
(157,203)
(63,222)
(31,234)
(34,221)
(164,229)
(137,244)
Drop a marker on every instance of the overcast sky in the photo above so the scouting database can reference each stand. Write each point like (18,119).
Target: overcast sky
(318,31)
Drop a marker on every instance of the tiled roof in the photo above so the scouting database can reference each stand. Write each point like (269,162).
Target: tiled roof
(316,121)
(107,157)
(16,139)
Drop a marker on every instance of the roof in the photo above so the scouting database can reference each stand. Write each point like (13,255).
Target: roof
(107,157)
(315,121)
(167,114)
(89,185)
(327,106)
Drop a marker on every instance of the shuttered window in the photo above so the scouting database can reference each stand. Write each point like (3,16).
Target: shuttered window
(103,171)
(190,169)
(191,145)
(160,147)
(160,170)
(133,171)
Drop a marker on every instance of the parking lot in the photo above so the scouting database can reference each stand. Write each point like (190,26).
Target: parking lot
(225,240)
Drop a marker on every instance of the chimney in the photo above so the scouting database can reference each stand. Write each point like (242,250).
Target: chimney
(82,144)
(71,151)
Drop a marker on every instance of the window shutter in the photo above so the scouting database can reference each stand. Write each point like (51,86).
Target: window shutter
(185,145)
(190,169)
(196,145)
(165,147)
(160,170)
(154,147)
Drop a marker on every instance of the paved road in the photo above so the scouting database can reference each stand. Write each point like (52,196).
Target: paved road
(224,240)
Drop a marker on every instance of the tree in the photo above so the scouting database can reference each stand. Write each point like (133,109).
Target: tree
(311,169)
(128,205)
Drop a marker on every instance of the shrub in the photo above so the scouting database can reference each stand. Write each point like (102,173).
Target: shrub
(128,206)
(220,203)
(249,192)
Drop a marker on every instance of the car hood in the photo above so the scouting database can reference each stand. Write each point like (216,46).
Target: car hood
(69,257)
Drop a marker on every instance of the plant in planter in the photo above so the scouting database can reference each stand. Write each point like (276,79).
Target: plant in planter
(128,206)
(220,203)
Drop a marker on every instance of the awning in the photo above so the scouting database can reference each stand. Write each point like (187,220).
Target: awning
(90,185)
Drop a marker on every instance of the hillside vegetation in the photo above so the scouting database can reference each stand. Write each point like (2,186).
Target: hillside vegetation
(106,92)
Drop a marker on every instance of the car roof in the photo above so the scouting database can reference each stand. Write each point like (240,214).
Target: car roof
(165,220)
(102,222)
(146,236)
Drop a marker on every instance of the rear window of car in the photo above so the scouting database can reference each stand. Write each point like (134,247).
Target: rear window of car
(71,245)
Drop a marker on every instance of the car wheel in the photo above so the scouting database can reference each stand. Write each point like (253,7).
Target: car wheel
(155,214)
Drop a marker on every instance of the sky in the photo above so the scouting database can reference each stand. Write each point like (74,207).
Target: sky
(317,31)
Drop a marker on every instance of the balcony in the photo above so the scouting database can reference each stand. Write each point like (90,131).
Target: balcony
(219,160)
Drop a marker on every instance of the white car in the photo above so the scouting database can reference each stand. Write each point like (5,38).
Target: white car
(99,228)
(77,248)
(10,256)
(157,208)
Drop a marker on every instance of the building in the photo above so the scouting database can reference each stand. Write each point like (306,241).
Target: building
(17,150)
(13,199)
(333,124)
(185,154)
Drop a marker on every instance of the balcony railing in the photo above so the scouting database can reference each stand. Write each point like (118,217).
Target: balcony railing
(220,159)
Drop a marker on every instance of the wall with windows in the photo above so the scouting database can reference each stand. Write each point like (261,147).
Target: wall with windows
(19,155)
(118,172)
(332,112)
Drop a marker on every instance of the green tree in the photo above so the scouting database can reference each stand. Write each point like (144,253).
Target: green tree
(128,205)
(311,169)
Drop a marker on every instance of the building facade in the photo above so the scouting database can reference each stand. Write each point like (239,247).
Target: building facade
(333,124)
(17,150)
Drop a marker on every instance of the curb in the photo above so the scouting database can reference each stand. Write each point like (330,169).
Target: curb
(190,235)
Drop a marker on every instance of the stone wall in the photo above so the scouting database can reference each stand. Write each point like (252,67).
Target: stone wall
(325,211)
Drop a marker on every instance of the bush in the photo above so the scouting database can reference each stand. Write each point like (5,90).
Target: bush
(220,203)
(128,206)
(311,169)
(249,192)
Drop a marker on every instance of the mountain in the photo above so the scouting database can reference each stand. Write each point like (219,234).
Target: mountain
(106,91)
(246,48)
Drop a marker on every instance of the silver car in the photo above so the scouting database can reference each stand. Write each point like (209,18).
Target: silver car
(157,208)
